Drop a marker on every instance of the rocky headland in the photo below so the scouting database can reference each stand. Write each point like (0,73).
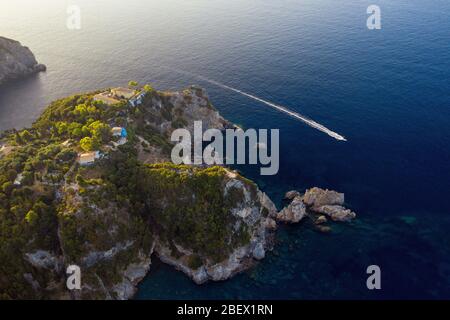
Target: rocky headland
(112,217)
(16,61)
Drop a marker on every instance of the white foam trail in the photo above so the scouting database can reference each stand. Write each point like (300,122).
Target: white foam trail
(296,115)
(309,122)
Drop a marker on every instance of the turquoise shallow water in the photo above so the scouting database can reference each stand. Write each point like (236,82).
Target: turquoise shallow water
(386,91)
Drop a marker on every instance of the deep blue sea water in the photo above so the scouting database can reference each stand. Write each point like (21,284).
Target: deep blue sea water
(387,91)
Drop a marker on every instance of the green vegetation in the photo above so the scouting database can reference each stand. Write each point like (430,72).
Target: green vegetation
(194,261)
(30,211)
(77,118)
(188,205)
(148,88)
(64,209)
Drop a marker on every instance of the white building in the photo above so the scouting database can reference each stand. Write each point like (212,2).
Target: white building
(137,99)
(116,131)
(88,158)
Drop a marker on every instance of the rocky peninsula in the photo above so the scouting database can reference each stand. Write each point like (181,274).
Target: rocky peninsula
(16,61)
(130,203)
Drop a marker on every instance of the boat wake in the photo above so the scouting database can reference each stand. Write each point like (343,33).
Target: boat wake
(285,110)
(291,113)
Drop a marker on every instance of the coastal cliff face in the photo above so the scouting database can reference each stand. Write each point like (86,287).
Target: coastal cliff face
(16,60)
(112,217)
(240,227)
(166,111)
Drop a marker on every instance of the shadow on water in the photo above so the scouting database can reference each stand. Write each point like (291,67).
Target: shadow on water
(27,97)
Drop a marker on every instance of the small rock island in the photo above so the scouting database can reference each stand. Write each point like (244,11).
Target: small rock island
(91,184)
(16,61)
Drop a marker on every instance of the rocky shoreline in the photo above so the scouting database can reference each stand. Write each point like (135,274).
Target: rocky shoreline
(16,61)
(208,222)
(313,202)
(242,258)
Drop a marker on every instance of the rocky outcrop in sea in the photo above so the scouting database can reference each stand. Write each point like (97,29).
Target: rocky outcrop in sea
(329,203)
(208,222)
(315,201)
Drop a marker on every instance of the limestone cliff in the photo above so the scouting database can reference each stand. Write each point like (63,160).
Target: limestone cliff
(247,233)
(112,217)
(16,60)
(109,218)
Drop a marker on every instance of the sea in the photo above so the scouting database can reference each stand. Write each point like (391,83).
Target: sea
(387,91)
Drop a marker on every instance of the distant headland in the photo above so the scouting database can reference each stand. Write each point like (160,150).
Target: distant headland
(16,61)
